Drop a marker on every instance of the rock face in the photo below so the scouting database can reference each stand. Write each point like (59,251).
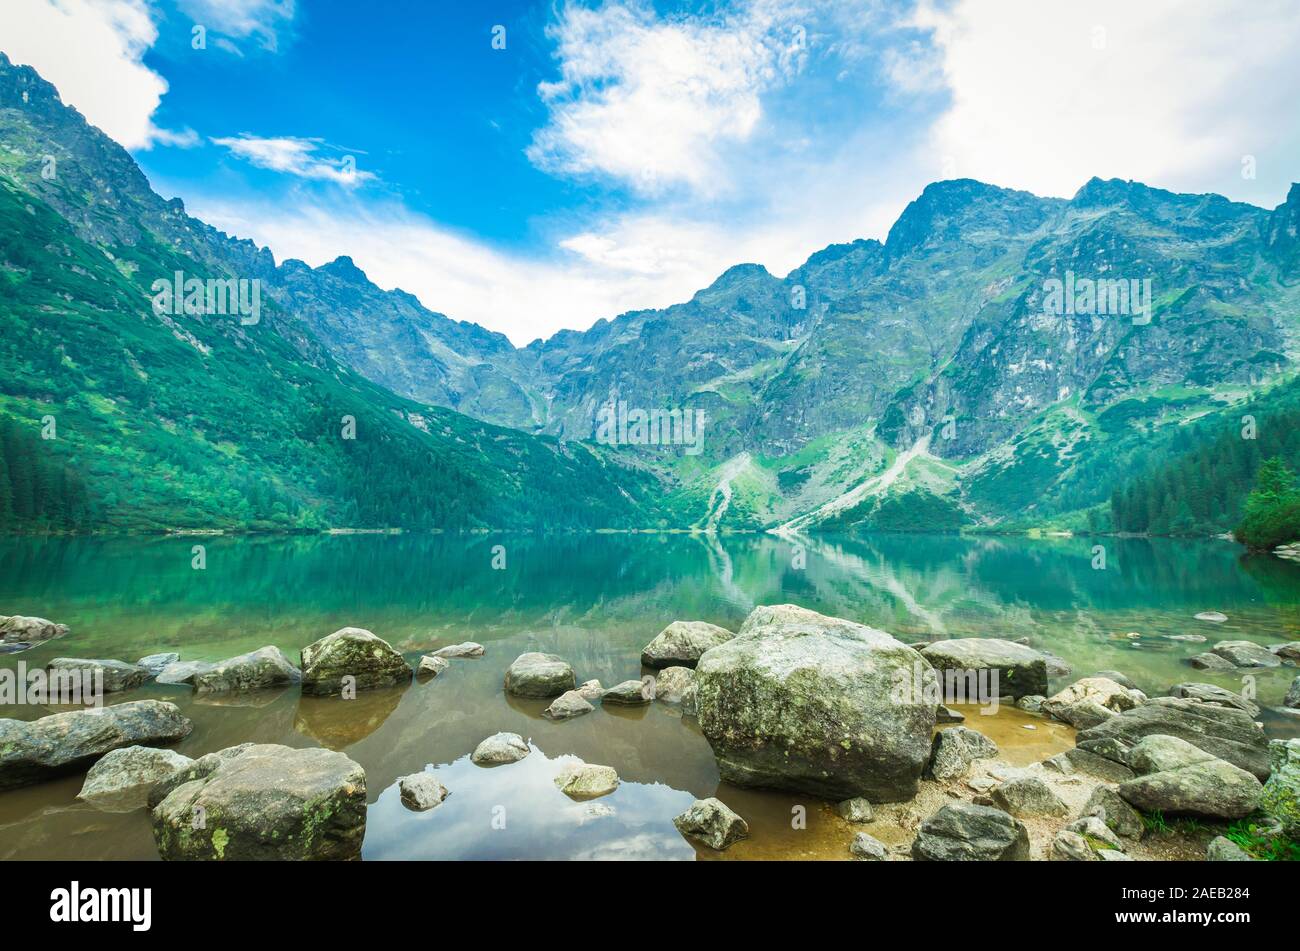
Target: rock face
(817,704)
(267,802)
(156,663)
(117,676)
(712,822)
(500,748)
(631,693)
(1246,654)
(120,781)
(17,629)
(1218,696)
(351,652)
(1223,732)
(1027,796)
(468,649)
(1281,798)
(1089,701)
(586,781)
(568,705)
(963,832)
(421,791)
(1212,788)
(1021,670)
(683,643)
(32,752)
(539,675)
(263,669)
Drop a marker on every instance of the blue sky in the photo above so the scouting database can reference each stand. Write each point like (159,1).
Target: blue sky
(619,154)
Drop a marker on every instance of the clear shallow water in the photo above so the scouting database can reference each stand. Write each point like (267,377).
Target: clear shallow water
(595,600)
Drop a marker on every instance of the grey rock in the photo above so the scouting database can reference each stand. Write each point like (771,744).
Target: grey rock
(263,669)
(586,781)
(351,652)
(181,672)
(1209,693)
(467,649)
(963,832)
(117,676)
(1122,679)
(267,802)
(1021,670)
(1215,617)
(19,629)
(1032,703)
(539,675)
(1089,701)
(499,749)
(38,750)
(1157,752)
(1292,699)
(1246,654)
(683,643)
(1223,732)
(676,685)
(856,809)
(1077,761)
(1072,847)
(421,791)
(1095,830)
(1210,662)
(1223,849)
(950,757)
(205,765)
(1215,789)
(1106,804)
(591,690)
(1287,651)
(868,848)
(1025,796)
(121,779)
(1281,799)
(631,693)
(980,746)
(712,822)
(431,665)
(1111,855)
(155,663)
(943,714)
(567,705)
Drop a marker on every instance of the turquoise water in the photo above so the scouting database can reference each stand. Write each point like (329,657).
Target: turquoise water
(595,600)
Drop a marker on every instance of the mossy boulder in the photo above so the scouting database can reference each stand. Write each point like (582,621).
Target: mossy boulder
(355,653)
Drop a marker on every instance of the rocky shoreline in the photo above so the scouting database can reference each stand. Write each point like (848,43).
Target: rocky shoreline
(794,701)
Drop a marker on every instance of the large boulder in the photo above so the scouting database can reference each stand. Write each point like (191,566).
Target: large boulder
(1025,796)
(32,752)
(1217,696)
(1088,701)
(351,653)
(1221,731)
(262,669)
(964,832)
(712,822)
(1212,788)
(116,675)
(120,781)
(1020,670)
(205,765)
(18,629)
(1246,654)
(539,675)
(1281,799)
(267,802)
(683,643)
(805,702)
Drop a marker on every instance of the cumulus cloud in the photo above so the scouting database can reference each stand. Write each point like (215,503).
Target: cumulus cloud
(263,20)
(295,156)
(93,51)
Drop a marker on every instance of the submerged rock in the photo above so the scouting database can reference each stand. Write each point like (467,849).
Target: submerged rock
(1020,670)
(352,657)
(35,751)
(567,705)
(421,791)
(263,669)
(499,749)
(631,693)
(868,848)
(19,629)
(683,643)
(964,832)
(801,701)
(467,649)
(117,676)
(712,822)
(1024,796)
(1122,679)
(1214,617)
(1213,788)
(585,781)
(1221,731)
(431,666)
(1246,654)
(120,781)
(539,675)
(155,663)
(267,802)
(1210,662)
(181,672)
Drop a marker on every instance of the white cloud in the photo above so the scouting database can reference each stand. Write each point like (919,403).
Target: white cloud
(262,19)
(92,50)
(653,103)
(295,156)
(1046,95)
